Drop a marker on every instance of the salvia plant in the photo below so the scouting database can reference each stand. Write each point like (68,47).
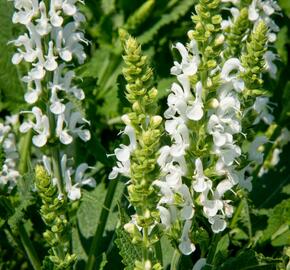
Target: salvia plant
(144,135)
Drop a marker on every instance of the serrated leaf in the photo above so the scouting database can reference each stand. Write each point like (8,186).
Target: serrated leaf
(26,199)
(129,252)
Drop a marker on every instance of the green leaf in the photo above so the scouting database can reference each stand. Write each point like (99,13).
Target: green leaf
(221,252)
(282,40)
(26,199)
(285,5)
(10,83)
(278,227)
(249,260)
(177,12)
(129,252)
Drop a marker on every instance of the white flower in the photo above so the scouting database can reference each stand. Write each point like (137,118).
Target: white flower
(254,154)
(199,185)
(261,106)
(187,210)
(26,9)
(50,63)
(218,224)
(81,178)
(190,59)
(228,153)
(43,27)
(41,127)
(186,246)
(228,73)
(165,216)
(123,155)
(270,57)
(195,111)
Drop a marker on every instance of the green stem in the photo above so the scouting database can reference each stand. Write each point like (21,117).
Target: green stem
(25,145)
(57,167)
(158,251)
(29,249)
(236,215)
(212,250)
(175,260)
(96,242)
(145,245)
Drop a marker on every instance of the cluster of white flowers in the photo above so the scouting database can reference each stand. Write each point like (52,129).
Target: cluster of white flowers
(49,46)
(9,172)
(73,190)
(183,107)
(123,152)
(223,124)
(52,43)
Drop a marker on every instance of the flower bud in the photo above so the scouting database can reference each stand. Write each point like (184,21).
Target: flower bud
(219,40)
(155,121)
(125,118)
(129,227)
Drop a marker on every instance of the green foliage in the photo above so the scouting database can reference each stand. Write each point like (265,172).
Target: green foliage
(278,229)
(2,157)
(11,88)
(249,259)
(258,234)
(26,199)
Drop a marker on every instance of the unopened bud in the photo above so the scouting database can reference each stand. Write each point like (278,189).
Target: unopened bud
(129,227)
(153,93)
(155,121)
(147,265)
(125,118)
(190,34)
(219,40)
(214,103)
(136,107)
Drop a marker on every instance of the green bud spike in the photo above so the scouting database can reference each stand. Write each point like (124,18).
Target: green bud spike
(237,34)
(253,59)
(53,214)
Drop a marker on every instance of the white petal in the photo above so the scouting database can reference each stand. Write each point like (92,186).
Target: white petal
(186,247)
(74,193)
(17,58)
(31,97)
(187,212)
(65,138)
(122,154)
(84,134)
(39,140)
(164,216)
(25,127)
(195,112)
(57,107)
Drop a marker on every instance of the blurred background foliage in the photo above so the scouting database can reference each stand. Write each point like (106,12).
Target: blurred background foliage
(258,236)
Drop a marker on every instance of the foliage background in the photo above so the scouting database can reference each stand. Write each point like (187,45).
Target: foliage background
(258,235)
